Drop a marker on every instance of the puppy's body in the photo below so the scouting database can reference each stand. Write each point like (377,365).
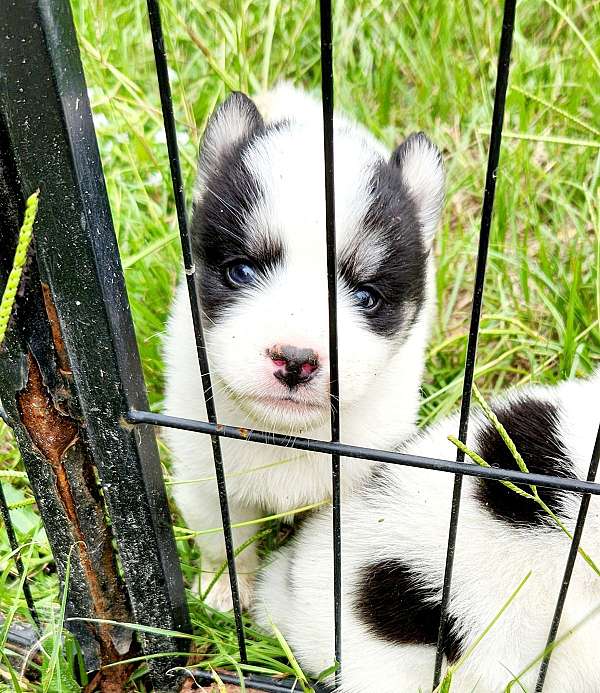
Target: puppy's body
(259,246)
(394,533)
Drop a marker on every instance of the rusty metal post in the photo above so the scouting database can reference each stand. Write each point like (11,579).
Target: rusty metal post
(38,401)
(70,370)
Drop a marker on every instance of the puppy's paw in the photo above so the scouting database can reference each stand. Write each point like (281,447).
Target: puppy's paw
(219,597)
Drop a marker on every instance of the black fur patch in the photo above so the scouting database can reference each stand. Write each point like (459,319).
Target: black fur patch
(533,427)
(396,608)
(219,231)
(390,223)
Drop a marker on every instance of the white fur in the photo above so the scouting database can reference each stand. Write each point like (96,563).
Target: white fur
(409,521)
(379,377)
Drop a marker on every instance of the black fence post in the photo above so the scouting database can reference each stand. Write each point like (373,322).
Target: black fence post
(50,135)
(37,402)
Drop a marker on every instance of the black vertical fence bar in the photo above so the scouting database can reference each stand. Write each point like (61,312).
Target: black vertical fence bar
(45,104)
(190,271)
(574,550)
(14,546)
(334,386)
(508,24)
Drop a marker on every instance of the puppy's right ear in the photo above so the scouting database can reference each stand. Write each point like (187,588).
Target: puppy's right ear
(422,170)
(236,119)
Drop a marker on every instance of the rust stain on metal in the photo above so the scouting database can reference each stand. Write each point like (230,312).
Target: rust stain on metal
(188,685)
(59,345)
(126,425)
(108,682)
(53,434)
(244,432)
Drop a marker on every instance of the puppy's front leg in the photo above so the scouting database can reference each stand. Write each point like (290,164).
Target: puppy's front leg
(202,513)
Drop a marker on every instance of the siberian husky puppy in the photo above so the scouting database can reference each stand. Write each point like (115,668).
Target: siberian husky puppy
(258,231)
(394,534)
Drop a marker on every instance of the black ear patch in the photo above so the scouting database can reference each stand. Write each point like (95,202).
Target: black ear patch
(234,121)
(390,231)
(533,426)
(395,607)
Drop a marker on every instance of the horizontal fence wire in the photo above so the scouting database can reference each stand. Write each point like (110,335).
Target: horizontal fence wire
(257,683)
(373,454)
(334,384)
(508,24)
(566,581)
(190,270)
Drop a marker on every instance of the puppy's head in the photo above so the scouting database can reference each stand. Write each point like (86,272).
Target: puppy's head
(259,243)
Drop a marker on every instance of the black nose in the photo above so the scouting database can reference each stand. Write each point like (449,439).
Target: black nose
(293,365)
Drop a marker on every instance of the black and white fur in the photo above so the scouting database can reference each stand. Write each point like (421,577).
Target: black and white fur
(394,534)
(259,215)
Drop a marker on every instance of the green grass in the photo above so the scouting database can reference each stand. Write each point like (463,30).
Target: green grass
(399,67)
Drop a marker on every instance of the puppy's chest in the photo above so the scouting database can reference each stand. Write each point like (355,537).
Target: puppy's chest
(280,479)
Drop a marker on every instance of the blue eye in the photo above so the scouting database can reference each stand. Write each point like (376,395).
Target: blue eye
(241,274)
(366,298)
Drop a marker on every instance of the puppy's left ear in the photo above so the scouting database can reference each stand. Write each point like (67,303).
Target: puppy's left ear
(235,120)
(422,171)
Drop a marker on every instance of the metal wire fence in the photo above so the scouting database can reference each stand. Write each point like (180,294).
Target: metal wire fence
(42,74)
